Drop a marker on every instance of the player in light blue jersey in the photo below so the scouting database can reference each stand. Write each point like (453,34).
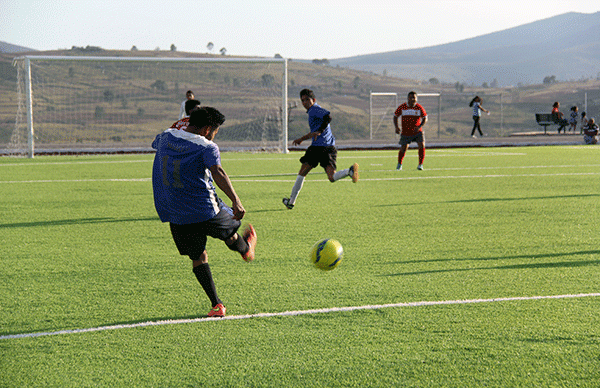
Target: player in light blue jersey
(322,149)
(186,164)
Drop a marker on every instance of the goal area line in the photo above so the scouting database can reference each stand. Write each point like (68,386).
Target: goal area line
(295,313)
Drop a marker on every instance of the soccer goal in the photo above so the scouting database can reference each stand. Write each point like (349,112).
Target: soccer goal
(381,112)
(382,106)
(118,104)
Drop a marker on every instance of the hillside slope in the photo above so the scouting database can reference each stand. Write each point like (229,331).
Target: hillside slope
(566,46)
(7,48)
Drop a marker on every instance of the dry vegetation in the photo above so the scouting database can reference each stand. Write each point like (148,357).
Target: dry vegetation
(344,91)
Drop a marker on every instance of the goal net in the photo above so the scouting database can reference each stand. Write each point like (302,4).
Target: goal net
(382,106)
(119,104)
(381,112)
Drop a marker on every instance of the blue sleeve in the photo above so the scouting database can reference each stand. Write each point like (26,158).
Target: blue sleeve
(155,142)
(321,112)
(212,156)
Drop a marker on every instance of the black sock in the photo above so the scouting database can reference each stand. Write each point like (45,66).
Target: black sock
(240,245)
(205,279)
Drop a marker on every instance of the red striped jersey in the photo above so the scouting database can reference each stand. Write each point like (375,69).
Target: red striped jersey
(181,124)
(411,118)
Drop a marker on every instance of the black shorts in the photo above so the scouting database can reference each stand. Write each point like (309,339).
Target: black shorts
(419,138)
(325,156)
(190,239)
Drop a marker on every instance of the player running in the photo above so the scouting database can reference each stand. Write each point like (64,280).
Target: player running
(185,165)
(322,149)
(414,118)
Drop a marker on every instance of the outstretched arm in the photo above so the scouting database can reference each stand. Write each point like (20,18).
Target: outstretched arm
(314,135)
(222,180)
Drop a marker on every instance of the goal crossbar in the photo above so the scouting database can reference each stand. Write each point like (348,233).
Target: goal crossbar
(146,59)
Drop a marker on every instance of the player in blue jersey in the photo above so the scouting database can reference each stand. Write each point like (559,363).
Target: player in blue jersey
(187,162)
(322,149)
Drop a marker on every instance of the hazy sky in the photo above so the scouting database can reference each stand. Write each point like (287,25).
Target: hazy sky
(303,29)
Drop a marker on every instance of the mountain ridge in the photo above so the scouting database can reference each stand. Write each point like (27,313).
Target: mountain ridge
(564,46)
(8,48)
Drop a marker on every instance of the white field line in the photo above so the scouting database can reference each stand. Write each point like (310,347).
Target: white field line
(431,153)
(32,164)
(81,180)
(295,313)
(429,177)
(245,178)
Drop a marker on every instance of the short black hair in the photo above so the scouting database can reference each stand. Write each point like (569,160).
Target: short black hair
(412,92)
(191,104)
(206,115)
(309,93)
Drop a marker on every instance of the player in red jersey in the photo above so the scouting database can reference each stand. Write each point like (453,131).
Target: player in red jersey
(182,123)
(414,118)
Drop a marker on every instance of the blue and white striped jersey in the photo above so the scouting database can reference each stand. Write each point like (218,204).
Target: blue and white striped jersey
(183,185)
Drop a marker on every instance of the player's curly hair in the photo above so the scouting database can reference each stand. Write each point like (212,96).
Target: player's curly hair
(206,115)
(191,104)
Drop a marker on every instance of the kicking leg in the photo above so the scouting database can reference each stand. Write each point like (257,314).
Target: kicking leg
(352,172)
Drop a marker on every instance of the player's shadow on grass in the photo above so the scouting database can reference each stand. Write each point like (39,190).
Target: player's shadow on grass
(497,199)
(524,198)
(279,209)
(547,265)
(79,221)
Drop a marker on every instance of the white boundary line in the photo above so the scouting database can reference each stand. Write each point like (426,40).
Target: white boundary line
(294,313)
(241,178)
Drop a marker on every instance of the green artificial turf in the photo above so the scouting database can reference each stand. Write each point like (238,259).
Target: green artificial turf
(82,247)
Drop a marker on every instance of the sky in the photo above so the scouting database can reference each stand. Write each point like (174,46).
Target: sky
(301,29)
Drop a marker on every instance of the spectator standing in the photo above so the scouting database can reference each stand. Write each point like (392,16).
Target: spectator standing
(189,95)
(477,108)
(584,122)
(573,116)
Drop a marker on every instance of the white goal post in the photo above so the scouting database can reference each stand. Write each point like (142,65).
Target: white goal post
(382,106)
(84,104)
(381,111)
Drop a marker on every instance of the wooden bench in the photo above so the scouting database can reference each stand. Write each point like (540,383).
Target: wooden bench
(546,119)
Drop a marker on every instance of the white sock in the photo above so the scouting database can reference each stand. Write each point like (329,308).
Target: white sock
(340,174)
(296,189)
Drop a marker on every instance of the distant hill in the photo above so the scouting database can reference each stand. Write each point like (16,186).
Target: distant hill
(566,46)
(7,48)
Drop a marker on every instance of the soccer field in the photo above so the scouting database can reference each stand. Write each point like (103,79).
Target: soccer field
(481,270)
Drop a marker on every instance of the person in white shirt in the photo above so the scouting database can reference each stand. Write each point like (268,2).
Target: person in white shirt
(189,95)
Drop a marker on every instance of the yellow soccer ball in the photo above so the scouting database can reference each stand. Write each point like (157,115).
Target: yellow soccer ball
(327,254)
